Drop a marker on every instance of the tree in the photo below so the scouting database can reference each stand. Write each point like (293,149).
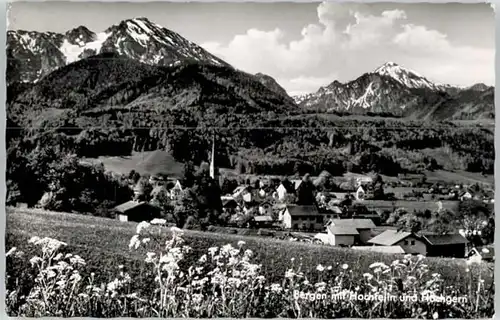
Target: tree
(472,215)
(143,189)
(163,201)
(184,207)
(305,192)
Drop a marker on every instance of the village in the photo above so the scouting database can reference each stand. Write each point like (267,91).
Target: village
(352,214)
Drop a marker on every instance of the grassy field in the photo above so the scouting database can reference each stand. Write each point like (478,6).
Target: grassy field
(104,244)
(143,162)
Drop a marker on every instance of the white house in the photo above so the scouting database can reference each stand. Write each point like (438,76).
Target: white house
(467,195)
(344,236)
(247,197)
(408,241)
(281,190)
(176,190)
(362,226)
(360,193)
(301,217)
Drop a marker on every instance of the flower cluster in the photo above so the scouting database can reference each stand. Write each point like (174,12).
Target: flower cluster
(226,281)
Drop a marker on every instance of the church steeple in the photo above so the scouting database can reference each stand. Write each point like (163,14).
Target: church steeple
(212,159)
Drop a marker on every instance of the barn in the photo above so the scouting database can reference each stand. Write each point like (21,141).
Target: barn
(446,245)
(136,211)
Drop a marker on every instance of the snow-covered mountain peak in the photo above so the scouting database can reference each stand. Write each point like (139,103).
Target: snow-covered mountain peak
(406,77)
(137,38)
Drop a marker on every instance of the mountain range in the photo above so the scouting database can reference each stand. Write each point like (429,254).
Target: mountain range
(33,54)
(37,61)
(394,89)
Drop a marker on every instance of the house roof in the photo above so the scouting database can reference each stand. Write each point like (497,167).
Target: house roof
(240,189)
(445,239)
(342,231)
(225,202)
(354,223)
(296,183)
(381,249)
(389,237)
(335,209)
(301,211)
(263,218)
(129,205)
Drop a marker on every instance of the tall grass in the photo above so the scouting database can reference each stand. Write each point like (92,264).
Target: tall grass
(227,281)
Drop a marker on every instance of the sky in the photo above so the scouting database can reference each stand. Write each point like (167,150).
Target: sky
(305,45)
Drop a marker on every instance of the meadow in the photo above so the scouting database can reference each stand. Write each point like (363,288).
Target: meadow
(104,245)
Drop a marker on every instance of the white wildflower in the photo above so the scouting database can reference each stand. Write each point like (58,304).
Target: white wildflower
(378,265)
(150,257)
(212,250)
(241,243)
(75,277)
(34,239)
(276,287)
(157,221)
(176,231)
(289,273)
(146,240)
(35,260)
(134,242)
(51,274)
(203,258)
(345,266)
(142,225)
(76,259)
(320,268)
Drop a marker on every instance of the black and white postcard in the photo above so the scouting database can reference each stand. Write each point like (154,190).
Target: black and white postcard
(250,160)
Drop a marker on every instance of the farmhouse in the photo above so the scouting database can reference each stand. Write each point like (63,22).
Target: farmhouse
(301,218)
(136,211)
(446,245)
(362,226)
(409,242)
(341,236)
